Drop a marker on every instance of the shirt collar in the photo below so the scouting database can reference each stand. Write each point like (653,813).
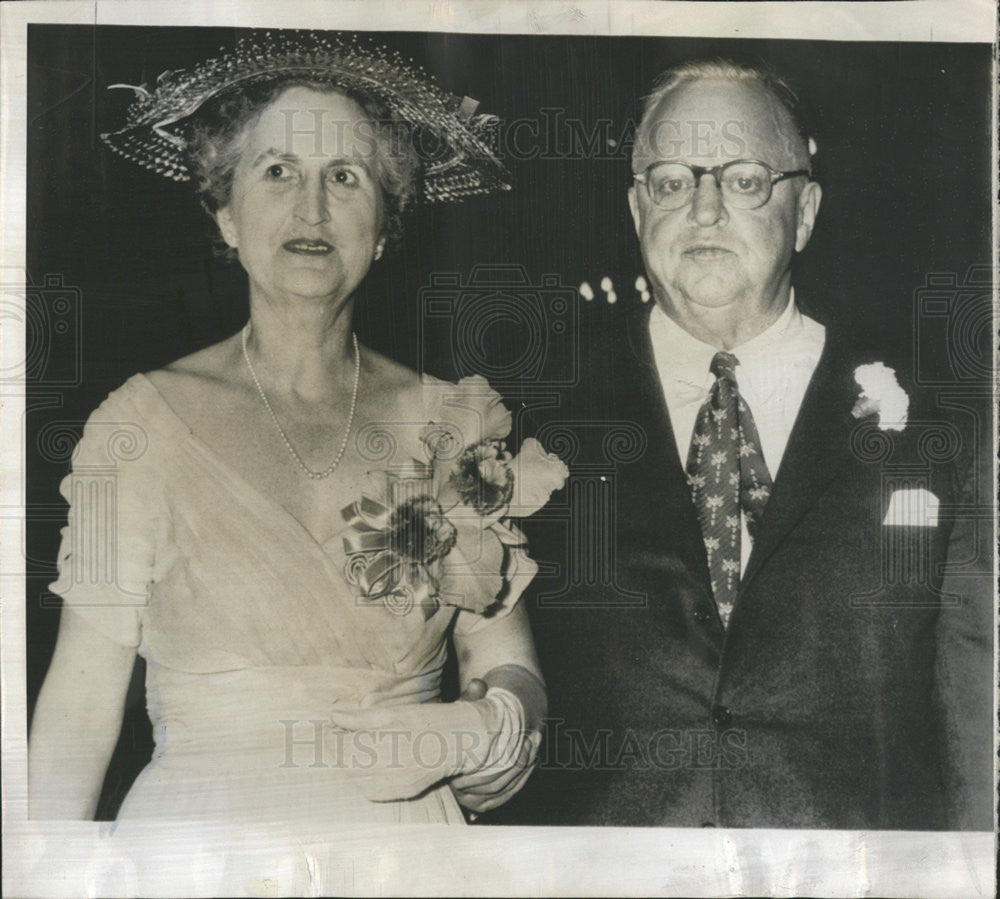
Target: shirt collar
(685,358)
(679,355)
(780,333)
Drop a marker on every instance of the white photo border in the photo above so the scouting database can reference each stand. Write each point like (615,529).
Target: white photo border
(65,858)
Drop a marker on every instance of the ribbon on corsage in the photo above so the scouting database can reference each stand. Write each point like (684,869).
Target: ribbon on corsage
(443,534)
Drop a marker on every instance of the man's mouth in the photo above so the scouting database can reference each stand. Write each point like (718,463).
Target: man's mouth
(706,252)
(308,247)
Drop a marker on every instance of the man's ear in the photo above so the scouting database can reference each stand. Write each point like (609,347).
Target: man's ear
(808,209)
(633,205)
(224,219)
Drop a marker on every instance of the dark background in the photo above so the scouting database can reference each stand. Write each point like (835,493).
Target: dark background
(122,276)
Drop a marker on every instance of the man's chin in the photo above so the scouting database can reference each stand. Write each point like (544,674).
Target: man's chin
(713,293)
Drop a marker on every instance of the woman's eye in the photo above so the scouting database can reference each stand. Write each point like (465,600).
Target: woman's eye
(276,172)
(344,178)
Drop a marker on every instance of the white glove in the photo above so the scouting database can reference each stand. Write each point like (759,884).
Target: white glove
(397,752)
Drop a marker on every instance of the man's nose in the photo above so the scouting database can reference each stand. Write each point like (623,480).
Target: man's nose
(311,202)
(707,207)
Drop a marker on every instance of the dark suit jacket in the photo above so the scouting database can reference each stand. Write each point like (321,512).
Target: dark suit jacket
(853,687)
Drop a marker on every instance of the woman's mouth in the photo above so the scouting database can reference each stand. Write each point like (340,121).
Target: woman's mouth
(308,247)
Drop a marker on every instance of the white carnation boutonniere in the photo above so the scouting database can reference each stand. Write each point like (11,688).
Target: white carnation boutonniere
(882,396)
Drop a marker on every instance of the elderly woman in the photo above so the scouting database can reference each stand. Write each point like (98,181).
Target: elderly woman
(297,524)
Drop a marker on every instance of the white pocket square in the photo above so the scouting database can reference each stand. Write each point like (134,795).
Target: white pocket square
(913,508)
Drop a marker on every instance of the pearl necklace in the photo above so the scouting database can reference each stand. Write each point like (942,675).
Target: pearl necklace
(315,475)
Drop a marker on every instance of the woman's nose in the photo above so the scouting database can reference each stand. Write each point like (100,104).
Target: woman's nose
(707,207)
(311,203)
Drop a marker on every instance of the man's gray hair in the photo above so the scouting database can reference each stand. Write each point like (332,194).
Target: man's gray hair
(720,68)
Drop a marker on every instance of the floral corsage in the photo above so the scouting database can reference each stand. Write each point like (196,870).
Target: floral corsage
(882,396)
(443,533)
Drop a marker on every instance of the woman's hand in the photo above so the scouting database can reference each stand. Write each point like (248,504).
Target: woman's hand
(502,655)
(481,791)
(397,752)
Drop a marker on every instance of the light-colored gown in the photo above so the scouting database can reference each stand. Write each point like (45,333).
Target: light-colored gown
(249,629)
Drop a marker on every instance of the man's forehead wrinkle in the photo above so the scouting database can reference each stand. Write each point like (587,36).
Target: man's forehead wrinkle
(750,111)
(789,144)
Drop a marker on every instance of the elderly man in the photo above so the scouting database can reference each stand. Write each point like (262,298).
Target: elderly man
(780,641)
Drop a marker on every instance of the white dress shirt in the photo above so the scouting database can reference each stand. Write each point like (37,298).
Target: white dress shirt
(773,373)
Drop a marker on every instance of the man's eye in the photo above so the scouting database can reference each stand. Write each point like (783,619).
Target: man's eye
(747,185)
(672,186)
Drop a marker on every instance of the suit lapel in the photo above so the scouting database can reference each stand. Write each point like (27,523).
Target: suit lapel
(818,447)
(680,529)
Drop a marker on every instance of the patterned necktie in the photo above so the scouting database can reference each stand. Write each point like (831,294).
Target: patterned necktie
(726,472)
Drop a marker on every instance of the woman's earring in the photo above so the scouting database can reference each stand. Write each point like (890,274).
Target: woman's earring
(379,247)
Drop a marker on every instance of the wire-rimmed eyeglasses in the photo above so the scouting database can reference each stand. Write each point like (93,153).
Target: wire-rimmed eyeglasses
(745,183)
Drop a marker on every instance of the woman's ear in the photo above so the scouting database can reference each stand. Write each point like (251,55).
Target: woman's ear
(227,228)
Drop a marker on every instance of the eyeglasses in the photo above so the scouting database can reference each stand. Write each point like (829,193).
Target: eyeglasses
(745,183)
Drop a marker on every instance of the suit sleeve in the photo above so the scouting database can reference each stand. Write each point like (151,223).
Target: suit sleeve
(965,669)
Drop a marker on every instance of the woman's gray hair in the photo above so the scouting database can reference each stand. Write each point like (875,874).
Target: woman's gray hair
(725,69)
(218,140)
